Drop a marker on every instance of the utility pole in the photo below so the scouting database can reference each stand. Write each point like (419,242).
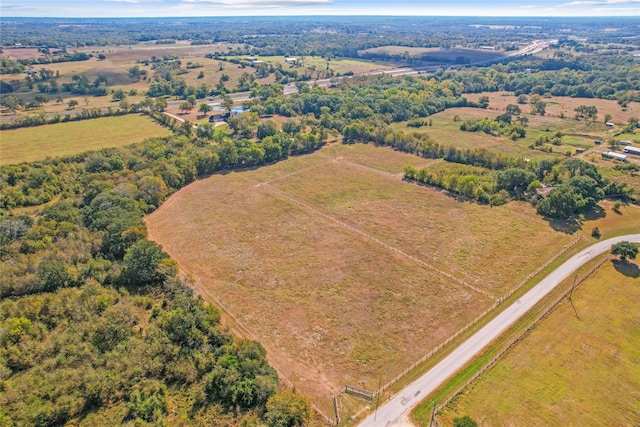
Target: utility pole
(575,280)
(375,414)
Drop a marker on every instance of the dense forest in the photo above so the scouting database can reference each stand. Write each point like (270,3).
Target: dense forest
(313,35)
(94,322)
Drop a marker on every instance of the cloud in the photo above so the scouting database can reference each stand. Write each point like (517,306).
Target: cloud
(260,3)
(136,1)
(598,3)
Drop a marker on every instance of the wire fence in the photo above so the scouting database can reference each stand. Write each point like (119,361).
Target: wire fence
(523,334)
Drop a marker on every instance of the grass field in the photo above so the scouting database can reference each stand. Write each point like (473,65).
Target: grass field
(337,267)
(569,371)
(445,130)
(63,139)
(448,55)
(558,104)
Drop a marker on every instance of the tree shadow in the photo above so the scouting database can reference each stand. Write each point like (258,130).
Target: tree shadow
(567,226)
(597,212)
(627,268)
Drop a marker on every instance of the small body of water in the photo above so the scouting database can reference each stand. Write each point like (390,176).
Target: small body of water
(239,109)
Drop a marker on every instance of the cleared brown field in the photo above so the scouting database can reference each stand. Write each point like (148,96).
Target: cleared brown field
(14,53)
(337,268)
(332,307)
(569,370)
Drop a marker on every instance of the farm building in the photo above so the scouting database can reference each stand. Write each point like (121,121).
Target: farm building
(222,117)
(250,58)
(291,60)
(632,150)
(256,62)
(598,141)
(614,156)
(625,142)
(610,124)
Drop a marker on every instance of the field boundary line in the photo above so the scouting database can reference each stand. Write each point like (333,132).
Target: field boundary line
(378,241)
(525,332)
(564,249)
(397,176)
(480,316)
(240,327)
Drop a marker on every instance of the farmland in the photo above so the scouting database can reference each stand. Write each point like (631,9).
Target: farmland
(436,55)
(569,370)
(64,139)
(566,105)
(356,301)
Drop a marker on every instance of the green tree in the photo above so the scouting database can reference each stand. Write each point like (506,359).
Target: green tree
(72,104)
(465,421)
(227,102)
(625,250)
(205,108)
(288,409)
(145,263)
(513,109)
(516,181)
(561,202)
(119,95)
(266,129)
(52,275)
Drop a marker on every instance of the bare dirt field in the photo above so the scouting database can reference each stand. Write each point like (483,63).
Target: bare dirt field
(342,270)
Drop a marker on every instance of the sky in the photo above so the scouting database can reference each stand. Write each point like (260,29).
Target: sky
(169,8)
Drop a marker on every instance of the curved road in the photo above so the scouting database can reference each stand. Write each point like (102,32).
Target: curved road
(392,411)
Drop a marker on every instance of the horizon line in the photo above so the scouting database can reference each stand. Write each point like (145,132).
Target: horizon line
(626,16)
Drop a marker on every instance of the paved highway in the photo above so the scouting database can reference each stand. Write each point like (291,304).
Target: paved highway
(392,411)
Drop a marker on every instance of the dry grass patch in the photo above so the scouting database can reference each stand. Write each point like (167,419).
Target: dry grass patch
(451,235)
(64,139)
(569,371)
(382,158)
(447,55)
(557,104)
(316,278)
(331,306)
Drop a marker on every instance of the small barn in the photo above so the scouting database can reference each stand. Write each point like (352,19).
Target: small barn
(614,156)
(632,150)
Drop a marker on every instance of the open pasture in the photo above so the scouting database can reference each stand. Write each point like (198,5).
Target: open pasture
(338,65)
(141,51)
(569,370)
(447,55)
(565,104)
(15,53)
(63,139)
(422,222)
(446,130)
(342,271)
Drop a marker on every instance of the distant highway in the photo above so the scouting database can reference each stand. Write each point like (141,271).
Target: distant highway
(392,412)
(290,88)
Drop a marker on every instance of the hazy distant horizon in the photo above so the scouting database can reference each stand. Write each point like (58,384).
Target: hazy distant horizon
(245,8)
